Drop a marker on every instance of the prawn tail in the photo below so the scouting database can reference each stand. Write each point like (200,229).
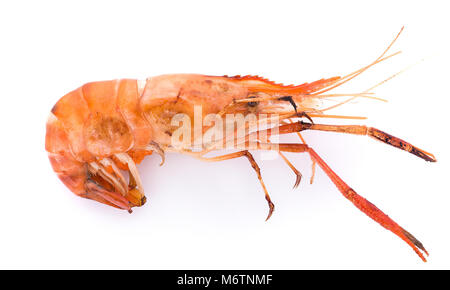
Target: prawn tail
(370,209)
(79,179)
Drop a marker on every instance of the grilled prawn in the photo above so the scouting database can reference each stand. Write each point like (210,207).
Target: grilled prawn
(100,131)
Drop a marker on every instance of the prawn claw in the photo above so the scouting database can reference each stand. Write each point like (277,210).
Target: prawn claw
(303,114)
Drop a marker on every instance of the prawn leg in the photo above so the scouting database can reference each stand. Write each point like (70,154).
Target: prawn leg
(292,167)
(360,202)
(254,166)
(360,130)
(295,170)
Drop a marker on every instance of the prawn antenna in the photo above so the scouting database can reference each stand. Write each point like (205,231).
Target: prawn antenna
(356,73)
(363,94)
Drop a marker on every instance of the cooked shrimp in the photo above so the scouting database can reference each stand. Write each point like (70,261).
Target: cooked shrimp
(100,131)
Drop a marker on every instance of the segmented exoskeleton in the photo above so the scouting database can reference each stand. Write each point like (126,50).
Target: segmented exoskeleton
(101,129)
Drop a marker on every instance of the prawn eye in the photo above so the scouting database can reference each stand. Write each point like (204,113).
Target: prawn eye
(252,104)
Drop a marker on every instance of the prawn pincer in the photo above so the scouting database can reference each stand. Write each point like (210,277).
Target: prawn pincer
(97,133)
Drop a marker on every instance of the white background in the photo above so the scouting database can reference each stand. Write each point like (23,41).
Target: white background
(203,215)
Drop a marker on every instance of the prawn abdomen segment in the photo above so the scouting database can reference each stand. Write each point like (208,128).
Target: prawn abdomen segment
(70,171)
(69,115)
(107,135)
(128,103)
(105,130)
